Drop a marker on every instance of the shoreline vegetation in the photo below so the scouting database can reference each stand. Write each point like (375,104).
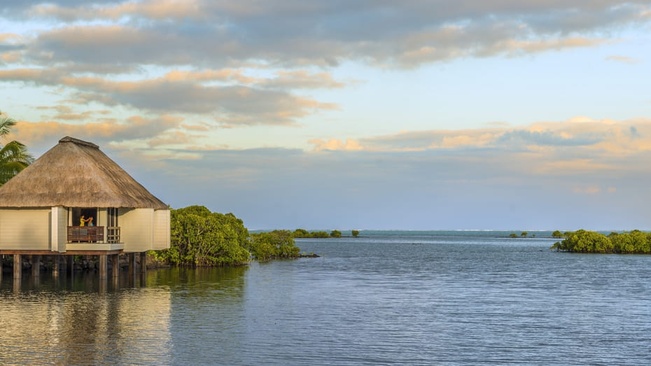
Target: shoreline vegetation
(201,238)
(584,241)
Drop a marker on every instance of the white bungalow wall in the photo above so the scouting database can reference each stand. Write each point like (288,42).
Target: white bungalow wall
(25,229)
(161,229)
(59,231)
(136,229)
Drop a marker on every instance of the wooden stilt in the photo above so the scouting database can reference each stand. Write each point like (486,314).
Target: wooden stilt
(17,285)
(18,266)
(103,267)
(116,282)
(56,260)
(102,285)
(2,260)
(115,264)
(132,263)
(132,268)
(36,265)
(143,262)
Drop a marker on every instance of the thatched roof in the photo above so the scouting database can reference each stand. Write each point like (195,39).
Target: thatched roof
(76,173)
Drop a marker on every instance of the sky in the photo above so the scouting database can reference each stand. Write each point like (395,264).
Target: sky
(350,114)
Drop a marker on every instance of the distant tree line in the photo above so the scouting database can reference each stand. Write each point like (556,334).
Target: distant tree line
(304,234)
(583,241)
(524,234)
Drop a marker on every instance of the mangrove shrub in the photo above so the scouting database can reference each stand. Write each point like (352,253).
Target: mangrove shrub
(273,245)
(583,241)
(200,237)
(304,234)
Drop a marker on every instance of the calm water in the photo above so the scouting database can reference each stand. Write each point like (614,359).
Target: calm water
(386,298)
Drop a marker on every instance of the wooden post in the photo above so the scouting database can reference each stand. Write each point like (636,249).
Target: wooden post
(103,267)
(18,266)
(2,259)
(17,285)
(102,285)
(132,268)
(115,260)
(132,264)
(36,265)
(143,262)
(116,282)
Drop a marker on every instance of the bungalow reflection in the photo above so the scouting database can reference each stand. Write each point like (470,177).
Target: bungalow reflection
(65,326)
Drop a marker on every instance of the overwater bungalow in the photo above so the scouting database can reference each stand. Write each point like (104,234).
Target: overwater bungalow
(75,200)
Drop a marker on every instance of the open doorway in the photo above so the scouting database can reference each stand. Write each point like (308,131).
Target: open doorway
(89,216)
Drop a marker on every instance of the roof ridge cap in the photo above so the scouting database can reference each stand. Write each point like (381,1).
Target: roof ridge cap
(78,142)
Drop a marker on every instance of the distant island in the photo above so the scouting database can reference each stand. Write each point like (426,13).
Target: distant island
(304,234)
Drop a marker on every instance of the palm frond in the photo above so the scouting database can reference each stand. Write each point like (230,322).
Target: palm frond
(6,124)
(13,159)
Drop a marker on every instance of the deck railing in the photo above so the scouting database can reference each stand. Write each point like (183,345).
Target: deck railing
(113,234)
(93,234)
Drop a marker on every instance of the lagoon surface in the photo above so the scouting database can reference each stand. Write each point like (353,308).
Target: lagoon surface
(403,298)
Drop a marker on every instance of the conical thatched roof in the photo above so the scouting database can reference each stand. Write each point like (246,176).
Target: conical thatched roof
(76,173)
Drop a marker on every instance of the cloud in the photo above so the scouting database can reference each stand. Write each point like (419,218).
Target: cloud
(427,188)
(252,63)
(159,9)
(403,34)
(134,128)
(581,134)
(594,190)
(335,145)
(185,92)
(472,179)
(622,59)
(302,79)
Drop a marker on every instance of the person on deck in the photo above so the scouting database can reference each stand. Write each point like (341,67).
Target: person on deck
(82,221)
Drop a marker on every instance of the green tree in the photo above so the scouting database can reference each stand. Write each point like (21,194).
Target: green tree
(301,233)
(203,238)
(583,241)
(319,234)
(622,243)
(524,234)
(335,234)
(355,233)
(557,234)
(13,155)
(272,245)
